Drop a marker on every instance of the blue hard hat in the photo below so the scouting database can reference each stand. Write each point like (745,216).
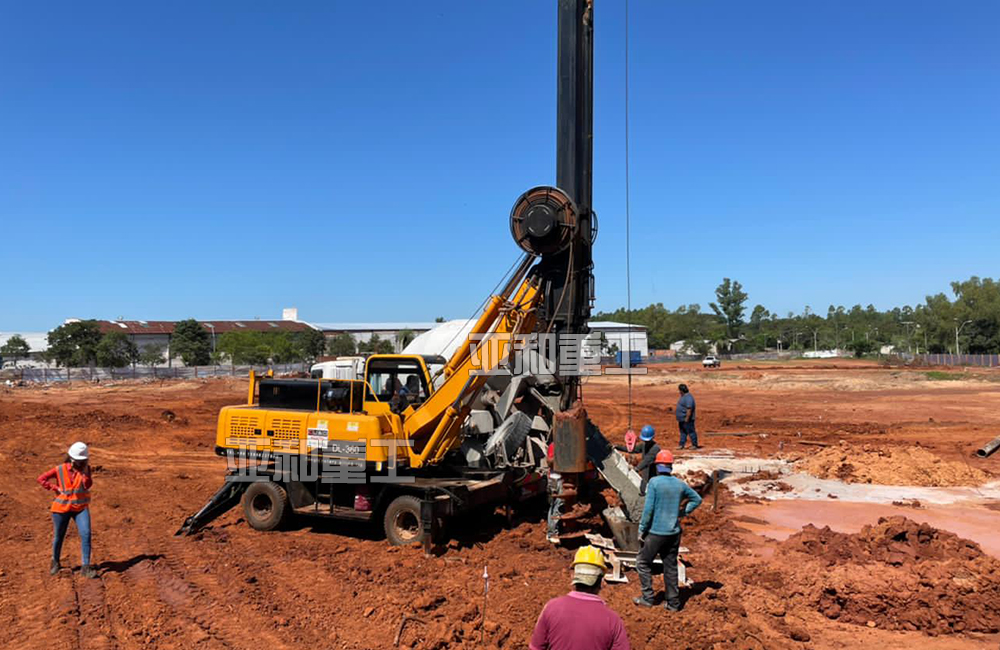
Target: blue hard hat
(647,433)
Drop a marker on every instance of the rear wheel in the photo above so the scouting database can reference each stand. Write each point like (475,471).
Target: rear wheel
(402,521)
(265,504)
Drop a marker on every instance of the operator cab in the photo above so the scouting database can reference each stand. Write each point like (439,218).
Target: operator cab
(400,381)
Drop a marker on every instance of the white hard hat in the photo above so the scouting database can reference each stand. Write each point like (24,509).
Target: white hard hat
(79,451)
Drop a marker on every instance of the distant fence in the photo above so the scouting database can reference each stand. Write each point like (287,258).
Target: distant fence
(46,375)
(741,356)
(988,360)
(761,356)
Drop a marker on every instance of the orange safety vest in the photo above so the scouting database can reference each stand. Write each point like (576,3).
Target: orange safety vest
(73,496)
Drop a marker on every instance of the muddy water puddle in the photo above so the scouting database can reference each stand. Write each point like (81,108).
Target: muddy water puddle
(779,519)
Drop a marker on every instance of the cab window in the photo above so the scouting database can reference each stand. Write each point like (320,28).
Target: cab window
(400,381)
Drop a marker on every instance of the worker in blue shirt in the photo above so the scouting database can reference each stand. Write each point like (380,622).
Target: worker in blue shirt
(660,531)
(685,417)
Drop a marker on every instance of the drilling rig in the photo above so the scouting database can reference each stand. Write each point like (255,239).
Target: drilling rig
(418,439)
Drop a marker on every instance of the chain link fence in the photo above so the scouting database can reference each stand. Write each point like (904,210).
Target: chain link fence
(986,360)
(47,375)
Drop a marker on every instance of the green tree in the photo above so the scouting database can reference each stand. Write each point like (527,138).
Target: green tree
(115,350)
(439,319)
(281,347)
(245,348)
(74,343)
(861,347)
(152,355)
(758,316)
(311,343)
(376,345)
(15,348)
(191,342)
(701,347)
(730,305)
(404,336)
(342,344)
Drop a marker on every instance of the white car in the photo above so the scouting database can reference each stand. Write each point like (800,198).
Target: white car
(711,361)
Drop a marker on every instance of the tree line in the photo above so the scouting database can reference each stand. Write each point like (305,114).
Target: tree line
(967,322)
(82,344)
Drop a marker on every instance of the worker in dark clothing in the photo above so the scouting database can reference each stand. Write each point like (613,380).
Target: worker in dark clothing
(660,531)
(685,417)
(648,449)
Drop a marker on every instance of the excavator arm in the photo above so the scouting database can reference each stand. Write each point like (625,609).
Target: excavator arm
(434,429)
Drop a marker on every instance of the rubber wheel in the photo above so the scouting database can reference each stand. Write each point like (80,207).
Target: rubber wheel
(402,521)
(265,504)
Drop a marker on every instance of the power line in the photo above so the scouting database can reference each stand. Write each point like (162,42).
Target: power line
(628,241)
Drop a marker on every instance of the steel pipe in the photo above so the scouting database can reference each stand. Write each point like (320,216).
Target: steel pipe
(988,448)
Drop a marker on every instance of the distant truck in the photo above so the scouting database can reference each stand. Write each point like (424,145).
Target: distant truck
(711,361)
(339,368)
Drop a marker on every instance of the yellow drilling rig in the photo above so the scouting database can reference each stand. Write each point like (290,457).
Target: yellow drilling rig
(414,447)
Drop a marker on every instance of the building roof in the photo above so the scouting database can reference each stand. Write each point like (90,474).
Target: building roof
(218,326)
(374,327)
(37,341)
(611,325)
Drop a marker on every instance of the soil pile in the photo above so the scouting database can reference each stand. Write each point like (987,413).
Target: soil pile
(898,575)
(890,466)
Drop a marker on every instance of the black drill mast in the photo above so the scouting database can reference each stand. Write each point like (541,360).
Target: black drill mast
(556,224)
(575,169)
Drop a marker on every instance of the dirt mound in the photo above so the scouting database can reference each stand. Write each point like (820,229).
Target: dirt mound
(890,466)
(898,575)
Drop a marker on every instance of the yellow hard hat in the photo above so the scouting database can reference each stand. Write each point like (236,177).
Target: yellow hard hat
(589,555)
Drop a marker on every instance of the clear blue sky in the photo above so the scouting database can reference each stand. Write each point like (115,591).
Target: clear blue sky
(358,159)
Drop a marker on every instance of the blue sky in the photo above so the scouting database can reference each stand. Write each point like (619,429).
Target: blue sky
(358,160)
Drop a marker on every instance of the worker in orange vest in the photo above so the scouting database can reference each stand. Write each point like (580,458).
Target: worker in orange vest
(71,481)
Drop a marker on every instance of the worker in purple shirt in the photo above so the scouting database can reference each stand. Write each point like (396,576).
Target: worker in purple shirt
(580,620)
(685,417)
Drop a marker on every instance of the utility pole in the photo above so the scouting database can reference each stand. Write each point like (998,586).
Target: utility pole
(909,341)
(958,329)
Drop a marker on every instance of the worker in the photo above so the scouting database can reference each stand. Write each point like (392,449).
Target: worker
(413,387)
(554,489)
(71,481)
(685,417)
(660,531)
(648,449)
(580,620)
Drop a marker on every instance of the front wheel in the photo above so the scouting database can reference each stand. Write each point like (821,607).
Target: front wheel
(265,504)
(402,521)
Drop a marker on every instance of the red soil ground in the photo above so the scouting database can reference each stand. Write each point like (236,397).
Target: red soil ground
(322,585)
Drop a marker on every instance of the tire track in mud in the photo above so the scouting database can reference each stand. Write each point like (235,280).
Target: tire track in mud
(45,608)
(92,608)
(264,603)
(186,585)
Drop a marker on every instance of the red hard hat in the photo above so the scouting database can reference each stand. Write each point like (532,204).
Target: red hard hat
(664,457)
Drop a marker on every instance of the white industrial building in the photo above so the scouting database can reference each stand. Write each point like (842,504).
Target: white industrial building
(363,332)
(621,337)
(38,343)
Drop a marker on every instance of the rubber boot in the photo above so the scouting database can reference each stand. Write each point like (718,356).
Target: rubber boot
(54,567)
(88,571)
